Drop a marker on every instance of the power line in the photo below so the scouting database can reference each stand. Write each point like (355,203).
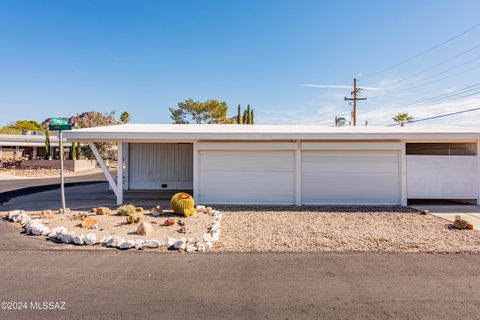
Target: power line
(442,96)
(439,116)
(423,52)
(423,81)
(412,107)
(433,67)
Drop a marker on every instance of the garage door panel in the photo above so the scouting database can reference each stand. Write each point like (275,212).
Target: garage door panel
(246,177)
(350,177)
(354,191)
(342,163)
(233,161)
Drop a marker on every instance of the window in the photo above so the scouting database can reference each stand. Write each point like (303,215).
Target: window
(442,149)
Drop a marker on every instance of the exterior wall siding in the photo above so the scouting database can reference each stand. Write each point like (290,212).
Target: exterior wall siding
(152,165)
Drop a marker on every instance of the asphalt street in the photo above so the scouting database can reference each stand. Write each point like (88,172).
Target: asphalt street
(110,284)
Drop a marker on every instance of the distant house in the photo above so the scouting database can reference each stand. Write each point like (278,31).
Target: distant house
(30,145)
(294,165)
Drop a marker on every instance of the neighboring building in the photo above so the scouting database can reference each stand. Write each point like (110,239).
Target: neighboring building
(30,146)
(294,165)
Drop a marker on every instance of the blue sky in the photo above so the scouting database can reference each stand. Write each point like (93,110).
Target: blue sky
(59,58)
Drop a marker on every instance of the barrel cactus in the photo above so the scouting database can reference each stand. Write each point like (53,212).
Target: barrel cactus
(183,204)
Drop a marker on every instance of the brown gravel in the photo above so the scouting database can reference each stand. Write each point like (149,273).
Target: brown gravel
(315,229)
(39,172)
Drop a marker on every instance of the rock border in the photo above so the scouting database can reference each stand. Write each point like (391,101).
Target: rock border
(37,227)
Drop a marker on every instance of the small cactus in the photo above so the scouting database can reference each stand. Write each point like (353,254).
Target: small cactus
(183,204)
(126,210)
(131,218)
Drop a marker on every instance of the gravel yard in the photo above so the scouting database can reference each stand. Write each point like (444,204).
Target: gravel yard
(314,229)
(116,225)
(39,172)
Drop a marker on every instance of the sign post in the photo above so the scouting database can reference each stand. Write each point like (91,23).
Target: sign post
(60,124)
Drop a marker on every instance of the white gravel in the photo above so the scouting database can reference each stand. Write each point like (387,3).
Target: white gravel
(314,229)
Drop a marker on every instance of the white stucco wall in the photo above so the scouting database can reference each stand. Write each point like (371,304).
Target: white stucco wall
(442,177)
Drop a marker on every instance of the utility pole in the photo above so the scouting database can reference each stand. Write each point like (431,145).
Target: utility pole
(354,99)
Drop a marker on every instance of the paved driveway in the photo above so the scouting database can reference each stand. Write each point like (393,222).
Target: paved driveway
(110,284)
(471,213)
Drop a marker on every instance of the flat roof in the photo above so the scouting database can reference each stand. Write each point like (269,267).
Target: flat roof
(25,140)
(197,132)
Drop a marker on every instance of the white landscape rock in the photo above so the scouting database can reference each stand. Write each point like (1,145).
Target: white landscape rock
(152,244)
(90,239)
(65,237)
(207,237)
(127,244)
(180,244)
(12,214)
(56,232)
(109,241)
(171,241)
(201,244)
(78,239)
(22,218)
(118,241)
(190,247)
(215,234)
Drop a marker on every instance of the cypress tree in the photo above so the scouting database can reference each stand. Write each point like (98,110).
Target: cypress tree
(73,152)
(252,121)
(239,115)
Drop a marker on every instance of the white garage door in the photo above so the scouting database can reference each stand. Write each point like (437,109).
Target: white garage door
(351,177)
(246,177)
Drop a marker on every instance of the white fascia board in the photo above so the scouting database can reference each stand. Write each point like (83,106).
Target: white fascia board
(333,146)
(238,146)
(86,136)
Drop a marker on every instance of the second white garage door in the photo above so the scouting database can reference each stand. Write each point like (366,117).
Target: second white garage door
(246,177)
(351,177)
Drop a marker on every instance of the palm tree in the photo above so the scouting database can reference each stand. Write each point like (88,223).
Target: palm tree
(125,117)
(402,118)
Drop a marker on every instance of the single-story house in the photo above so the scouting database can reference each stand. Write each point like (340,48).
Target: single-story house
(293,164)
(17,146)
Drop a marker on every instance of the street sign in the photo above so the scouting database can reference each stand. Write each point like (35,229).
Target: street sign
(59,124)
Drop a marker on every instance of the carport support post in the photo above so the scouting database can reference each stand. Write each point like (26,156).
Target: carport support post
(298,174)
(107,174)
(119,173)
(195,171)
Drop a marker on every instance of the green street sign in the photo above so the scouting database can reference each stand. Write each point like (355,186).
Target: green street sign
(58,124)
(59,121)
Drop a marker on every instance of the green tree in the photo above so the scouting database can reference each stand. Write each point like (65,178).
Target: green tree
(210,111)
(73,151)
(125,117)
(26,125)
(239,115)
(245,117)
(402,118)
